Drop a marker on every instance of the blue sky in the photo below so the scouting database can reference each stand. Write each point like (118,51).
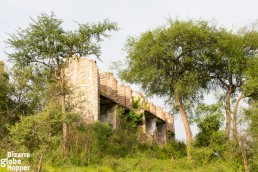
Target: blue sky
(132,16)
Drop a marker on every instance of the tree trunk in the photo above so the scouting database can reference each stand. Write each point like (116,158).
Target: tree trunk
(243,152)
(65,132)
(40,164)
(234,121)
(65,127)
(228,112)
(240,140)
(183,115)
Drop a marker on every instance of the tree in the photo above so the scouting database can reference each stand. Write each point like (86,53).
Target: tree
(10,108)
(5,101)
(252,119)
(46,48)
(169,61)
(249,138)
(227,65)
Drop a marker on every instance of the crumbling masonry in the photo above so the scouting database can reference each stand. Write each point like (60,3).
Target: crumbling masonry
(99,96)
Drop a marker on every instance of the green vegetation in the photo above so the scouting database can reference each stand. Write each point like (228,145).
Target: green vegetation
(45,48)
(180,61)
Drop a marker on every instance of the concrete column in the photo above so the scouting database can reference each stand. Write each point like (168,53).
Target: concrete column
(109,114)
(161,133)
(83,79)
(151,128)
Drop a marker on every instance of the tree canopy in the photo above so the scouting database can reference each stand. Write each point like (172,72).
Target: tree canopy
(169,61)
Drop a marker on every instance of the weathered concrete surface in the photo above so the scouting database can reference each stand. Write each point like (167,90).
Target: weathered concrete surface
(98,95)
(83,79)
(161,133)
(109,114)
(151,128)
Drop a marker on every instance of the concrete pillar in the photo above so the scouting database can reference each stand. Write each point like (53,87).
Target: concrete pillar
(161,133)
(110,114)
(83,79)
(151,128)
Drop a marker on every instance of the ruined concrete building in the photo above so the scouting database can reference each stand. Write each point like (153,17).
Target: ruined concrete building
(99,96)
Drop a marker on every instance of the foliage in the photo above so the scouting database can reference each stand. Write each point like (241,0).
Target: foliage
(136,103)
(251,84)
(46,43)
(227,65)
(208,125)
(140,103)
(168,57)
(46,49)
(252,119)
(130,118)
(38,134)
(10,108)
(4,101)
(146,164)
(163,61)
(43,49)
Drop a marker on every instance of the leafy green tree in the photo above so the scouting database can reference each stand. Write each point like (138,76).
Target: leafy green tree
(10,107)
(5,101)
(249,146)
(46,48)
(168,61)
(227,65)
